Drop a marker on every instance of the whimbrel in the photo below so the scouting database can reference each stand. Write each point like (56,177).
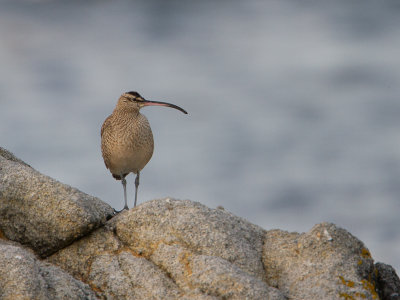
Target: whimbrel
(126,138)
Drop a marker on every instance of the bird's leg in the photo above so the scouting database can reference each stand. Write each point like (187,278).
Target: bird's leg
(123,180)
(136,186)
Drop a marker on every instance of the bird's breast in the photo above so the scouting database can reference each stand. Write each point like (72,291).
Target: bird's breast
(128,145)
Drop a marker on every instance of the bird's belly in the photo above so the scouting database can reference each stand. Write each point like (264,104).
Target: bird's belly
(128,160)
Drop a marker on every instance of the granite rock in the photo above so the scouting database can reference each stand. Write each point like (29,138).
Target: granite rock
(199,229)
(8,155)
(125,260)
(41,212)
(24,276)
(388,282)
(66,246)
(325,263)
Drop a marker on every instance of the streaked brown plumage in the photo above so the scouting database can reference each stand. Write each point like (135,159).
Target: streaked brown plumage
(126,139)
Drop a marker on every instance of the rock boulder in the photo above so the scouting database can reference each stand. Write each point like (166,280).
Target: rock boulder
(40,212)
(59,243)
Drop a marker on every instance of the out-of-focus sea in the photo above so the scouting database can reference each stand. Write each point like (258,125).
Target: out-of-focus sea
(294,106)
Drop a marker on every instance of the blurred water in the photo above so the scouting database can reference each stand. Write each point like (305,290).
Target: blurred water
(294,109)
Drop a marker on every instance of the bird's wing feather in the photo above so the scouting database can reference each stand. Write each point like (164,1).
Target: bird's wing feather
(106,124)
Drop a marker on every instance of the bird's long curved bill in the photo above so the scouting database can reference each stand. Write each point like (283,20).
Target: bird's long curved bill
(159,103)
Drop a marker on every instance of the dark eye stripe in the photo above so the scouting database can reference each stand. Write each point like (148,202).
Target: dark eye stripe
(134,94)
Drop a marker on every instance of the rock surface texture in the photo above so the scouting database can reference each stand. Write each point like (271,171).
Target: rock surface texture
(24,276)
(59,243)
(41,212)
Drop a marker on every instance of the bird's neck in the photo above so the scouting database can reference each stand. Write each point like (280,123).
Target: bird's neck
(131,112)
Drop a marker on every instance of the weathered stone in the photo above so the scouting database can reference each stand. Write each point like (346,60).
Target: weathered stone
(202,230)
(167,249)
(77,258)
(23,276)
(212,275)
(125,276)
(115,269)
(388,282)
(325,263)
(43,213)
(8,155)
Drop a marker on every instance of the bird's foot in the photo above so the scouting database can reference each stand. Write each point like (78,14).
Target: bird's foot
(118,211)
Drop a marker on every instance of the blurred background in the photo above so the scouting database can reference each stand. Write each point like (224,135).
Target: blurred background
(294,107)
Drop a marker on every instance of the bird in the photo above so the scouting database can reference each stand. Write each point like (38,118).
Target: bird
(127,143)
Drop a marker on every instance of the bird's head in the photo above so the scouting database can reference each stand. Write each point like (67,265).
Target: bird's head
(132,101)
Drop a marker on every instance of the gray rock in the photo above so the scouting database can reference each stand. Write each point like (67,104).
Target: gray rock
(23,276)
(179,250)
(325,263)
(388,282)
(102,260)
(8,155)
(210,274)
(77,258)
(125,276)
(202,230)
(43,213)
(166,249)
